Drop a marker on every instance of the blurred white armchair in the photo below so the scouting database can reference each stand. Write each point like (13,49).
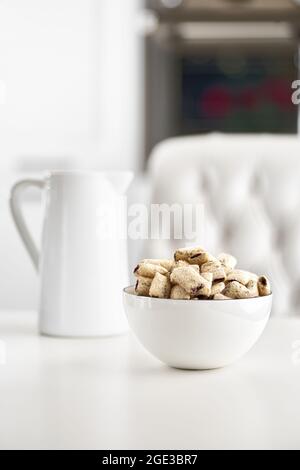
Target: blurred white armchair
(250,190)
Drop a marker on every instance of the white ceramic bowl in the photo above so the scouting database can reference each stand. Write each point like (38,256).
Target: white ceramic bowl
(190,334)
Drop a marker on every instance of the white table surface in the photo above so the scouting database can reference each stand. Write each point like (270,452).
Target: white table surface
(111,394)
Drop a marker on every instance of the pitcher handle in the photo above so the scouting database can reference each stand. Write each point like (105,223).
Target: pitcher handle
(15,207)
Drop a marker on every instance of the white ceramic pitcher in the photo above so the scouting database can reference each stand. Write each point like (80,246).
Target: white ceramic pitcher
(83,262)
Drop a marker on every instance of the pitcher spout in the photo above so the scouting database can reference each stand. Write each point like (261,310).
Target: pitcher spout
(120,180)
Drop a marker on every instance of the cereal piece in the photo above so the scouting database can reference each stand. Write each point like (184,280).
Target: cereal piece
(221,297)
(252,286)
(217,288)
(149,270)
(188,279)
(228,262)
(178,293)
(215,268)
(264,287)
(143,285)
(205,291)
(208,277)
(195,267)
(160,287)
(235,290)
(165,263)
(243,277)
(182,264)
(193,255)
(253,277)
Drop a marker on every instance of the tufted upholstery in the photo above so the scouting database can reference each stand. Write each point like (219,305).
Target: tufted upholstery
(250,189)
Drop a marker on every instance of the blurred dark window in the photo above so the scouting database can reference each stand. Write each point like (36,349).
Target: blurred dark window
(238,93)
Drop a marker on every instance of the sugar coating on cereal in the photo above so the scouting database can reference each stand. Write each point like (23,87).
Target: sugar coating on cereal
(178,293)
(217,288)
(160,287)
(228,262)
(205,291)
(252,286)
(215,268)
(182,264)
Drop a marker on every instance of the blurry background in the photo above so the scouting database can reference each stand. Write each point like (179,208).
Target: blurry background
(223,65)
(98,83)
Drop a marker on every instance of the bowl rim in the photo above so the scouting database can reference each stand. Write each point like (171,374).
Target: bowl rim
(155,299)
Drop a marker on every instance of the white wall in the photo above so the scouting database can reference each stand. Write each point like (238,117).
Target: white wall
(71,70)
(70,95)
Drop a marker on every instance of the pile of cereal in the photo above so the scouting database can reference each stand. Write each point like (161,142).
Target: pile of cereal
(195,274)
